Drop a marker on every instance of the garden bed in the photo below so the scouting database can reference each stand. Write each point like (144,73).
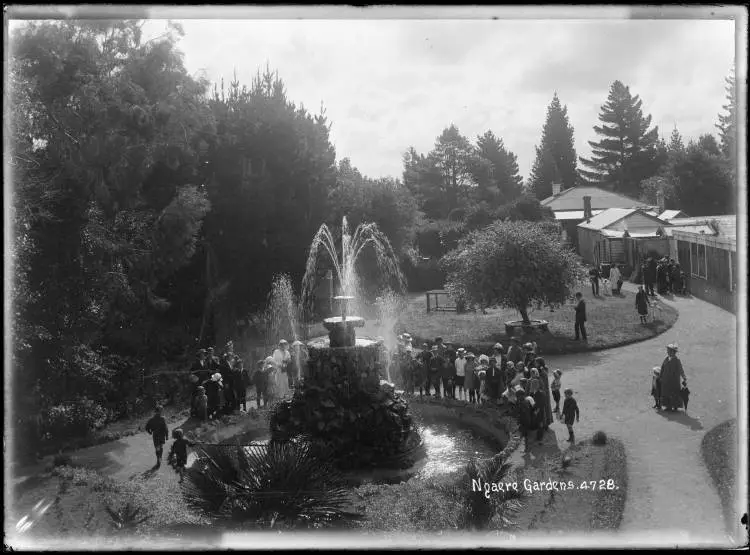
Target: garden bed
(612,322)
(577,510)
(719,450)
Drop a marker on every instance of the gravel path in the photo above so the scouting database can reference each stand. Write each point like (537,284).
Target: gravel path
(670,497)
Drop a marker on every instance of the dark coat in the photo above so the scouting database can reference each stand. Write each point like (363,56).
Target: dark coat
(671,372)
(515,354)
(570,411)
(544,378)
(581,311)
(202,372)
(525,414)
(641,303)
(213,392)
(157,427)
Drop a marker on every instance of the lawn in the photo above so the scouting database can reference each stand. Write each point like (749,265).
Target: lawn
(611,321)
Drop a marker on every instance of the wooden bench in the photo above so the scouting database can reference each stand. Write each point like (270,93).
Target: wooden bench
(437,293)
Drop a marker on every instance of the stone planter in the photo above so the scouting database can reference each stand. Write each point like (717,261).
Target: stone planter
(533,327)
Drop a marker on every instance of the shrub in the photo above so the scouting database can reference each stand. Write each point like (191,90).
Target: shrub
(477,510)
(127,517)
(77,418)
(600,438)
(266,485)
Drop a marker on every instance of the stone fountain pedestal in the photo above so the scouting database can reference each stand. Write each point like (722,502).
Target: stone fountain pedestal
(344,409)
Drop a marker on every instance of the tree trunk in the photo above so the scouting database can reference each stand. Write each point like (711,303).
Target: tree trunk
(524,314)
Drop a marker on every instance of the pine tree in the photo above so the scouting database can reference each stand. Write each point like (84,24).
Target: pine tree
(555,151)
(503,177)
(675,141)
(627,153)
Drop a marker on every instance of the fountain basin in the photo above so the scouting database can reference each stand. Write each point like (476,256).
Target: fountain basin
(324,342)
(334,321)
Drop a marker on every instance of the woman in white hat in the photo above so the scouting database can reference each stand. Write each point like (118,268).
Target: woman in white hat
(671,372)
(283,359)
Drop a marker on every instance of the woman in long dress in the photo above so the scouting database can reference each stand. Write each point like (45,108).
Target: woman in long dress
(282,359)
(671,372)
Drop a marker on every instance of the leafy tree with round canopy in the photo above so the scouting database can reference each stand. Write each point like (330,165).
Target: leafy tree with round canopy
(513,265)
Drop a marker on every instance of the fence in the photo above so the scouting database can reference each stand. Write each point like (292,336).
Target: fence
(436,294)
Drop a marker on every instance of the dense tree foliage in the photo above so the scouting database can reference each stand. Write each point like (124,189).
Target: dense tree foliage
(628,151)
(270,169)
(555,156)
(108,199)
(727,125)
(456,176)
(514,265)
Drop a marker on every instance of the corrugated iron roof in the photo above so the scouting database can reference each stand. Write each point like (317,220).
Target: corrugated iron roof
(601,199)
(671,214)
(573,214)
(727,225)
(607,218)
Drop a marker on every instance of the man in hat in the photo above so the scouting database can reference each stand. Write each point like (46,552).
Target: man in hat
(671,372)
(515,354)
(213,388)
(435,369)
(580,326)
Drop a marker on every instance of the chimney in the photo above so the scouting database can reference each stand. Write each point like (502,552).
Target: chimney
(660,200)
(587,208)
(556,188)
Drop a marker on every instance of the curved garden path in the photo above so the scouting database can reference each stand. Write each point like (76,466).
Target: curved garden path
(671,498)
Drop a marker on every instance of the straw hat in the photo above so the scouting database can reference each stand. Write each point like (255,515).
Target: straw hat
(434,348)
(470,355)
(497,346)
(657,370)
(672,347)
(297,343)
(283,342)
(216,377)
(461,351)
(510,366)
(405,337)
(201,351)
(484,359)
(557,372)
(534,373)
(528,346)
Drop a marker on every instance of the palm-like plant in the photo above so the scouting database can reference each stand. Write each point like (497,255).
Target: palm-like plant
(268,485)
(477,509)
(127,517)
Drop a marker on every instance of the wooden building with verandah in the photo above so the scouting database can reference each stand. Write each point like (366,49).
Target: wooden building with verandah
(706,249)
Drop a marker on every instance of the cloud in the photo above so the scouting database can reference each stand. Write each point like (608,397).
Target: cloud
(391,84)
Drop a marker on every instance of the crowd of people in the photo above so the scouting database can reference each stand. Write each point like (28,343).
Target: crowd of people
(665,274)
(221,383)
(516,377)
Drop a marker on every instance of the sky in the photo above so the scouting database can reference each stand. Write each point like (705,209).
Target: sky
(388,84)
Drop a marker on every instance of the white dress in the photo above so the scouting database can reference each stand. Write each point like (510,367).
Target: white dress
(282,359)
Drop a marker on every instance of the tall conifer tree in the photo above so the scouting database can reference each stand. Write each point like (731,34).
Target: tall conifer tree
(627,153)
(555,151)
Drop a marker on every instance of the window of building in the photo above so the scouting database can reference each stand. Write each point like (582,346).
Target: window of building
(698,260)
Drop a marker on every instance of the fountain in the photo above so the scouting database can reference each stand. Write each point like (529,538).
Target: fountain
(343,406)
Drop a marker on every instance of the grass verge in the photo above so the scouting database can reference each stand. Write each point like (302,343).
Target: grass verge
(612,322)
(719,450)
(610,505)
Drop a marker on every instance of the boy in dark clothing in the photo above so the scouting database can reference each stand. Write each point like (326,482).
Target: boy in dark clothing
(227,378)
(157,427)
(260,379)
(494,379)
(570,413)
(580,317)
(213,391)
(240,383)
(177,457)
(435,369)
